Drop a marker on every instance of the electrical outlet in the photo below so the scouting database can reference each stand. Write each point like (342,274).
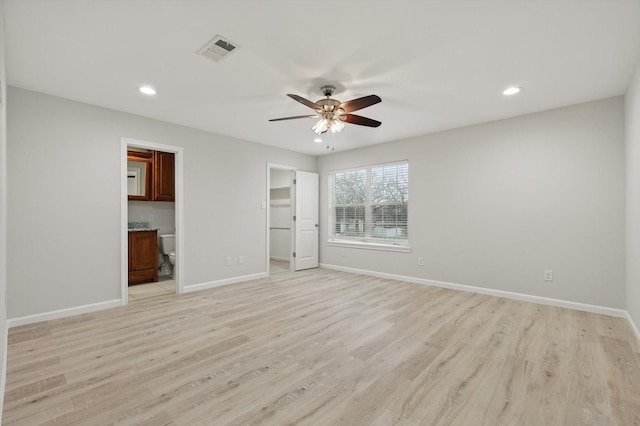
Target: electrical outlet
(548,275)
(151,218)
(240,260)
(421,261)
(227,261)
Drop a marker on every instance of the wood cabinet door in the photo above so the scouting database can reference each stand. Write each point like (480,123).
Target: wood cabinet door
(163,176)
(143,250)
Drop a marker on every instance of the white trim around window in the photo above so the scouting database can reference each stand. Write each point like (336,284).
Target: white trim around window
(368,207)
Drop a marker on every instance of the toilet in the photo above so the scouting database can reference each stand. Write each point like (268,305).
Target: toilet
(168,247)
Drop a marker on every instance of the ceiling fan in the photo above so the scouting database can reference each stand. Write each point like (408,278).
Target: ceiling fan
(333,113)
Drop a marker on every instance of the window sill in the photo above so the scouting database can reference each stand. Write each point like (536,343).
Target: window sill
(369,246)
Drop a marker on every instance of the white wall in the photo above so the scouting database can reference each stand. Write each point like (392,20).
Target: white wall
(64,201)
(632,138)
(3,213)
(493,205)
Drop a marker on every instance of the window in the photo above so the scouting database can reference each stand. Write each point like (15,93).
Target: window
(369,205)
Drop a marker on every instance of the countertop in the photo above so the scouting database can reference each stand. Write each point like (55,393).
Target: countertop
(140,226)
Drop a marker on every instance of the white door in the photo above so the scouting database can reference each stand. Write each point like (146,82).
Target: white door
(306,221)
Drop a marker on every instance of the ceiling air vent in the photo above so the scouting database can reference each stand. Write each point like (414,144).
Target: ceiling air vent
(218,48)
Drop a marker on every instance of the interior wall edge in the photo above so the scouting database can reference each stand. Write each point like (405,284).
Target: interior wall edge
(632,199)
(632,324)
(4,327)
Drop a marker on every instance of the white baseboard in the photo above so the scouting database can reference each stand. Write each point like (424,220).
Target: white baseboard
(619,313)
(234,280)
(282,259)
(61,313)
(633,326)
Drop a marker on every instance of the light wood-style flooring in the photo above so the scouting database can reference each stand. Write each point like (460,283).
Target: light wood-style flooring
(322,347)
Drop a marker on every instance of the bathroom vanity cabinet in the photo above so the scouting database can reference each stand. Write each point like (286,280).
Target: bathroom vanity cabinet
(143,256)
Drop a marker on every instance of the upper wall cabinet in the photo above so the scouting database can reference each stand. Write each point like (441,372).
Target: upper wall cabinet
(151,175)
(163,176)
(139,175)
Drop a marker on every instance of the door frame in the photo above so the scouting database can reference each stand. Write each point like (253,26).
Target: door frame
(272,166)
(125,143)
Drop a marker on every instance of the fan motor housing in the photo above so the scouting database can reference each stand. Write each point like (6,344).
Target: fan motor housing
(328,104)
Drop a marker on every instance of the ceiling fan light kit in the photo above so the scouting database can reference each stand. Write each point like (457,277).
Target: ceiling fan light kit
(324,124)
(320,127)
(333,114)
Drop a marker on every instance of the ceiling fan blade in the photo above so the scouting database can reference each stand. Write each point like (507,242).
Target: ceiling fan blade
(358,119)
(304,101)
(293,118)
(356,104)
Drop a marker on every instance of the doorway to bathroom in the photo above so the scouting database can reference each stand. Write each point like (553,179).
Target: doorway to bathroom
(151,217)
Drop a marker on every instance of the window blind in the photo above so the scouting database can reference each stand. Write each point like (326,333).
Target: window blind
(370,203)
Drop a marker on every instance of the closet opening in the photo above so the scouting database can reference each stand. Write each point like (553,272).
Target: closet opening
(280,203)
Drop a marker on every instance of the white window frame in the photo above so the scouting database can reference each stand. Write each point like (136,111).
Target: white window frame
(366,241)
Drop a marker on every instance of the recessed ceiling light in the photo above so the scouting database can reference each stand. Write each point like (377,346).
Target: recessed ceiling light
(147,90)
(511,91)
(317,140)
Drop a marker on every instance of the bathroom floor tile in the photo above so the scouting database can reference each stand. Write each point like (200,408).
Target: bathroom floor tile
(168,285)
(142,291)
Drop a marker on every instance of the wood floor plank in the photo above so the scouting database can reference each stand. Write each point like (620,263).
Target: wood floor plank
(34,388)
(44,413)
(322,347)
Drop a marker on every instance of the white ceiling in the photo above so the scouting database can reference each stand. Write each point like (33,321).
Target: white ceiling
(436,64)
